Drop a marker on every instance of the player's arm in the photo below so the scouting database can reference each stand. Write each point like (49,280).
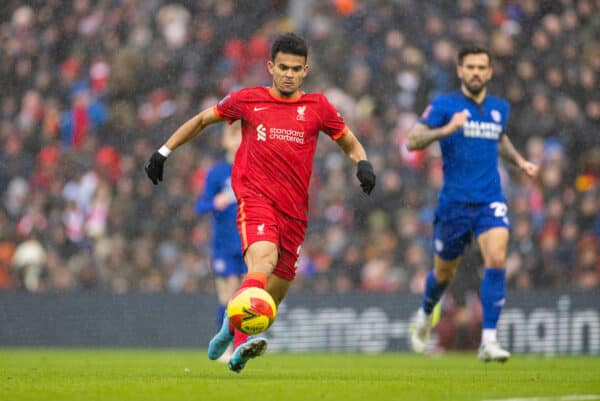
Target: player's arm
(356,152)
(188,130)
(352,146)
(420,136)
(508,152)
(205,203)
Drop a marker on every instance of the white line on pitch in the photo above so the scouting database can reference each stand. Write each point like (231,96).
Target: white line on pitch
(576,397)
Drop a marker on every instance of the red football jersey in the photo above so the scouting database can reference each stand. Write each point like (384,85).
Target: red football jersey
(279,139)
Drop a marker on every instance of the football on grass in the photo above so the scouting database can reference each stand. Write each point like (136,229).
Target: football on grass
(251,310)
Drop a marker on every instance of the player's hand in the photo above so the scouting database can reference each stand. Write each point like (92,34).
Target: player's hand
(223,199)
(457,121)
(154,167)
(530,169)
(366,176)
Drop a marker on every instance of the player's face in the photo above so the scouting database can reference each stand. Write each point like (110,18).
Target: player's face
(475,72)
(288,71)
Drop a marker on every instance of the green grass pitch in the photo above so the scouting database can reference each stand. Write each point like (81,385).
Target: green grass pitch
(127,375)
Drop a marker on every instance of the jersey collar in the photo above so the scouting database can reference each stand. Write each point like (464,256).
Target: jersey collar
(470,99)
(284,99)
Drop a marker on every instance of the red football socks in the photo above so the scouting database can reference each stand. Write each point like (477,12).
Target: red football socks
(254,280)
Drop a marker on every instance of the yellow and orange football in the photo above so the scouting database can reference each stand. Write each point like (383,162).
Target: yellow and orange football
(251,310)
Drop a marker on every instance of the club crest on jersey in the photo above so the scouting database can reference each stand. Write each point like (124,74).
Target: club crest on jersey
(301,110)
(467,112)
(260,229)
(261,133)
(439,245)
(219,265)
(496,116)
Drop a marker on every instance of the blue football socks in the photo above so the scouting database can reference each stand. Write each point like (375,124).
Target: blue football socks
(220,314)
(433,293)
(493,287)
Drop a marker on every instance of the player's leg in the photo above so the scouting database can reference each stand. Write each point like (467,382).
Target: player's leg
(252,347)
(452,231)
(289,252)
(257,224)
(493,244)
(280,263)
(261,258)
(221,342)
(437,281)
(225,287)
(278,288)
(229,271)
(278,284)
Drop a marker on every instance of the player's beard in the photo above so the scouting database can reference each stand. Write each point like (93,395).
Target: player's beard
(474,90)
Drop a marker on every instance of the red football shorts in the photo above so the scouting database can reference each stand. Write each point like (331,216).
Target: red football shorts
(259,220)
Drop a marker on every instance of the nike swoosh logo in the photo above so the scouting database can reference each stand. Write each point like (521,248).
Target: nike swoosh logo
(260,108)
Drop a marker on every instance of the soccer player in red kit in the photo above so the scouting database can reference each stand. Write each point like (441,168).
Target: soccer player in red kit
(271,174)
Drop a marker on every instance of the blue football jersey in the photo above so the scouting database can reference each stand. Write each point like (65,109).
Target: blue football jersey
(470,155)
(225,237)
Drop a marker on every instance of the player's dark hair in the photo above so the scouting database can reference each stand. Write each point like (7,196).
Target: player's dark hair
(289,43)
(472,49)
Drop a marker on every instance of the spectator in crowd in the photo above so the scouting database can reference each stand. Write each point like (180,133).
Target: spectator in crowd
(68,75)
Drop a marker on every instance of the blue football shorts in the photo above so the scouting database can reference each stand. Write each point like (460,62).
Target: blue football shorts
(456,224)
(230,265)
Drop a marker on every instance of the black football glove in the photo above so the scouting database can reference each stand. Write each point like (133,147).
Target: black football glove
(366,176)
(154,167)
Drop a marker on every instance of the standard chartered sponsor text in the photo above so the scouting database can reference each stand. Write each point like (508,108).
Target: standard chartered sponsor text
(284,134)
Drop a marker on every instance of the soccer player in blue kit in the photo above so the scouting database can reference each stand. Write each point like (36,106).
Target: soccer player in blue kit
(226,247)
(470,127)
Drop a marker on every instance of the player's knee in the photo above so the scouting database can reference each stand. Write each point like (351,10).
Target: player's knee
(262,265)
(269,265)
(444,275)
(261,259)
(497,260)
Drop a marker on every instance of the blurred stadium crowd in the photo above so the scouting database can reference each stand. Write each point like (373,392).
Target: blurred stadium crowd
(91,88)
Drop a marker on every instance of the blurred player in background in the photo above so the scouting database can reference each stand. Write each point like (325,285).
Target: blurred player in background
(271,174)
(469,125)
(219,200)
